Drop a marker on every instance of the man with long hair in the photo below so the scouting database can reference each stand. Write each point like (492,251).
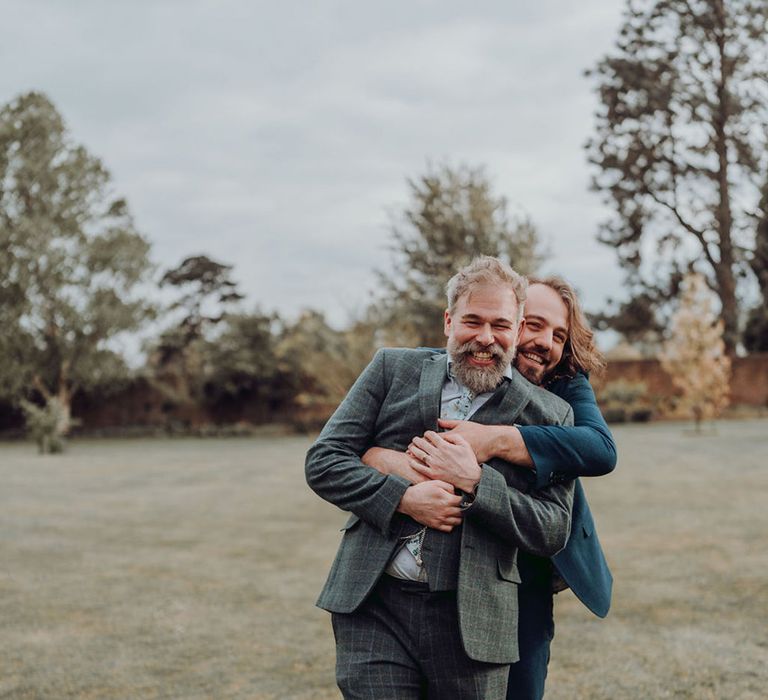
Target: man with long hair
(556,351)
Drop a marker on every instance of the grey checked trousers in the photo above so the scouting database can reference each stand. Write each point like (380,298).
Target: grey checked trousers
(404,643)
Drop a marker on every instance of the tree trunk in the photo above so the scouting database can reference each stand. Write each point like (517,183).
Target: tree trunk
(726,284)
(64,420)
(697,418)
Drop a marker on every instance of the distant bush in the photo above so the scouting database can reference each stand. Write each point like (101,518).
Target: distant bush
(622,401)
(43,425)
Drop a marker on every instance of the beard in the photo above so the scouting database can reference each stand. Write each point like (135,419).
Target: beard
(533,372)
(535,375)
(479,380)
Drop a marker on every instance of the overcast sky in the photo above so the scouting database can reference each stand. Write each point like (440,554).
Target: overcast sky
(278,136)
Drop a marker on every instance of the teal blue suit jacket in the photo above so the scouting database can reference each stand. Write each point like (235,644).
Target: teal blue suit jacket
(561,454)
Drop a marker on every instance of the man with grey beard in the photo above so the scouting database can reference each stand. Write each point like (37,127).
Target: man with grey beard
(423,591)
(477,378)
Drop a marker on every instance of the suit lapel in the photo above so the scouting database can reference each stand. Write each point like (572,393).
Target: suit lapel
(516,394)
(433,373)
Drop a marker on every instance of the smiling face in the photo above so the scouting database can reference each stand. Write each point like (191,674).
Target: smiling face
(545,334)
(482,335)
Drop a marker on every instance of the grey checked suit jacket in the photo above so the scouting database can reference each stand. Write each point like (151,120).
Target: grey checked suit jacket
(395,398)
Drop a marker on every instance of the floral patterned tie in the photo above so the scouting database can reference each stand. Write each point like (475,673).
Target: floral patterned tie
(458,409)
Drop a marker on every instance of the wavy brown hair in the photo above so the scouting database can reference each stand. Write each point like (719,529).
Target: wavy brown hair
(580,353)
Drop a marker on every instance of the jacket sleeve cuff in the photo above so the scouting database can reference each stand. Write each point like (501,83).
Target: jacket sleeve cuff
(541,455)
(387,500)
(491,491)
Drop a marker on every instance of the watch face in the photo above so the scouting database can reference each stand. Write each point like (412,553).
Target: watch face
(467,499)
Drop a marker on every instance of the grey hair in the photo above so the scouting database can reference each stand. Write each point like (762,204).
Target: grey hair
(486,270)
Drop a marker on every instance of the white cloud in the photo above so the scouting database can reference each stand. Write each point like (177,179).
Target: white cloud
(276,136)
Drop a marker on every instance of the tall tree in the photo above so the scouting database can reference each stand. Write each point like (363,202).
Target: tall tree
(452,217)
(304,367)
(71,262)
(695,356)
(206,291)
(325,361)
(756,330)
(243,364)
(680,142)
(637,320)
(201,281)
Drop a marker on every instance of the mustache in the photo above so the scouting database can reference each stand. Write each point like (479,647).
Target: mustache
(494,349)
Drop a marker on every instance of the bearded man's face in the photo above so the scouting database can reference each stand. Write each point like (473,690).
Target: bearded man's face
(544,338)
(482,335)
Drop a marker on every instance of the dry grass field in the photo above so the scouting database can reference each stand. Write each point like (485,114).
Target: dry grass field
(188,569)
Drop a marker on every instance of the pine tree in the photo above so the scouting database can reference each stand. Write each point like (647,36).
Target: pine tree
(680,144)
(695,355)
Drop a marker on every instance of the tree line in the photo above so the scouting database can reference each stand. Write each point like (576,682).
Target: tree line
(679,153)
(77,277)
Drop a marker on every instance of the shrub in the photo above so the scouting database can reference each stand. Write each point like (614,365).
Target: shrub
(623,401)
(43,425)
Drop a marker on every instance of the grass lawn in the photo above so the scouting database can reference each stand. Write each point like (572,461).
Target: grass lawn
(189,568)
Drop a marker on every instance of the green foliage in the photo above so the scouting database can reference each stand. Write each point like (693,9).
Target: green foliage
(623,400)
(325,361)
(453,216)
(46,424)
(756,330)
(201,279)
(70,260)
(303,368)
(638,320)
(242,363)
(680,144)
(178,358)
(623,392)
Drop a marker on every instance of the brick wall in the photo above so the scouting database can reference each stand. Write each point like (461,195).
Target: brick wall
(749,378)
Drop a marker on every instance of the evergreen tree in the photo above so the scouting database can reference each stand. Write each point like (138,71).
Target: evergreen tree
(178,358)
